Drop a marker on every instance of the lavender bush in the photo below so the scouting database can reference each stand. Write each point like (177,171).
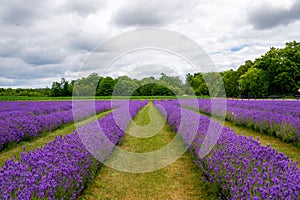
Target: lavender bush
(62,168)
(26,120)
(239,166)
(280,119)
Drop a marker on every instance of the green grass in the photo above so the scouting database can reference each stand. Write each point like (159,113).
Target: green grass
(180,180)
(16,149)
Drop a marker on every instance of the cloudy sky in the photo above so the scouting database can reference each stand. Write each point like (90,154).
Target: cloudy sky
(42,41)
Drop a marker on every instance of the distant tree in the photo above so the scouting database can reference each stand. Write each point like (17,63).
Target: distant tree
(56,89)
(231,78)
(62,88)
(244,68)
(198,84)
(254,82)
(125,86)
(106,87)
(171,80)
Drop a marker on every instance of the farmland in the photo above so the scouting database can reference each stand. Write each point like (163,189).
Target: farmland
(47,152)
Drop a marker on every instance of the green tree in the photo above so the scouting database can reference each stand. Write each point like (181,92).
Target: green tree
(106,87)
(198,84)
(244,68)
(125,86)
(231,78)
(282,67)
(254,82)
(56,89)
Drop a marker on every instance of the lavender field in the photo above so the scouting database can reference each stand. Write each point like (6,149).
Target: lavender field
(234,167)
(241,167)
(280,119)
(61,169)
(26,120)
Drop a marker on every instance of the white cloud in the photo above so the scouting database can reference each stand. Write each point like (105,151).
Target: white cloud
(42,41)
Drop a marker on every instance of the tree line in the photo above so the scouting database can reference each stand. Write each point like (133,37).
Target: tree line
(26,92)
(97,85)
(277,72)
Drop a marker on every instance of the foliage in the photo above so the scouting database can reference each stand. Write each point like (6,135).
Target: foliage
(22,92)
(230,79)
(254,82)
(121,86)
(275,73)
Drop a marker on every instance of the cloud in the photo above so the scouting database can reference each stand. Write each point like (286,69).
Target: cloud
(84,40)
(33,51)
(26,13)
(9,47)
(267,16)
(152,13)
(43,57)
(42,41)
(83,8)
(18,12)
(15,68)
(6,81)
(146,63)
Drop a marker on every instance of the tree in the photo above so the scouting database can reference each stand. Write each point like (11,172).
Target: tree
(56,89)
(230,79)
(198,84)
(62,88)
(125,86)
(254,82)
(282,67)
(171,80)
(106,87)
(244,68)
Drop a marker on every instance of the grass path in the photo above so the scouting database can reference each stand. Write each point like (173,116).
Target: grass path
(180,180)
(45,138)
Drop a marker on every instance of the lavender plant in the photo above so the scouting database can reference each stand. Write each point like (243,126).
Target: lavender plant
(280,119)
(63,167)
(26,120)
(239,166)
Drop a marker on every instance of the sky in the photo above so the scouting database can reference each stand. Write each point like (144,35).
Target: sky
(43,41)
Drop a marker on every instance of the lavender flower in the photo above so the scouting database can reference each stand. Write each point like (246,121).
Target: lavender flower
(63,167)
(241,167)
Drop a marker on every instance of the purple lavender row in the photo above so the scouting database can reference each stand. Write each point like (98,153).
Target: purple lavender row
(63,167)
(262,116)
(29,121)
(282,107)
(34,107)
(240,167)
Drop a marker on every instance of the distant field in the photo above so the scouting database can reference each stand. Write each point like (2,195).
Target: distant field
(26,98)
(22,98)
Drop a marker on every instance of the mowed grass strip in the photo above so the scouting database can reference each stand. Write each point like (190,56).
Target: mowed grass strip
(45,138)
(180,180)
